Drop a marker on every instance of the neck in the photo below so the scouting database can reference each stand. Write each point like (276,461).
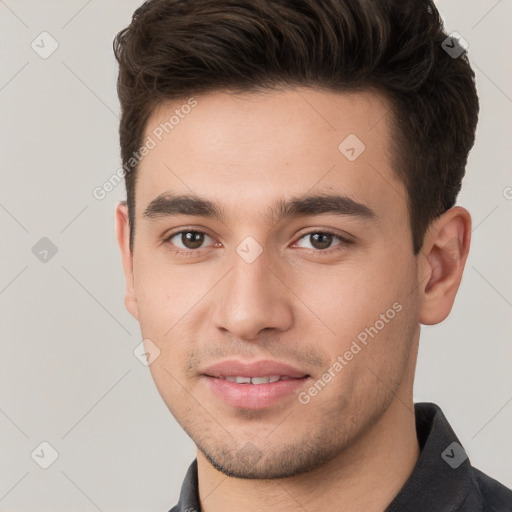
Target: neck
(365,477)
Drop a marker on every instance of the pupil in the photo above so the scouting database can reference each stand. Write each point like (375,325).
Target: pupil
(192,239)
(321,240)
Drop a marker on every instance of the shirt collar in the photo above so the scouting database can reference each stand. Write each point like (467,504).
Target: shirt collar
(442,479)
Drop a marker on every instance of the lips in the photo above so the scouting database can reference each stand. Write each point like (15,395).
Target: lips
(254,385)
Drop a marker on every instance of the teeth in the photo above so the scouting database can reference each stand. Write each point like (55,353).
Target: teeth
(265,380)
(255,380)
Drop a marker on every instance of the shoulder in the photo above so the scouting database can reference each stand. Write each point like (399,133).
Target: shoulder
(496,497)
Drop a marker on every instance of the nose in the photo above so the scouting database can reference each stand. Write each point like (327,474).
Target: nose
(252,298)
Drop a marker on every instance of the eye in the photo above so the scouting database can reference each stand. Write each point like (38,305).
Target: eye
(188,240)
(321,241)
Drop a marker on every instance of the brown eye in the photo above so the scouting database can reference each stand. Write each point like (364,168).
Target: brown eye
(320,240)
(192,239)
(188,240)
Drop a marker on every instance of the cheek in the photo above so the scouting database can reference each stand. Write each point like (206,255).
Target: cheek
(165,294)
(366,313)
(169,384)
(346,299)
(169,300)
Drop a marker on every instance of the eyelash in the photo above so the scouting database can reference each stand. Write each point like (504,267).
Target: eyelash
(344,242)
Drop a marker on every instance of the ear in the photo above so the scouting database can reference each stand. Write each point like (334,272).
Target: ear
(123,239)
(441,263)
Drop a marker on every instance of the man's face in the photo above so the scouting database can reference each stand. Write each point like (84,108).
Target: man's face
(284,293)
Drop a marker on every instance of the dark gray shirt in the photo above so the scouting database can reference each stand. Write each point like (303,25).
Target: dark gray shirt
(443,479)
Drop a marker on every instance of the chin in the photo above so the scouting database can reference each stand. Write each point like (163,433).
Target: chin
(249,462)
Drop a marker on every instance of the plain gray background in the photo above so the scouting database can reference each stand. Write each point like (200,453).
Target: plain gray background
(68,375)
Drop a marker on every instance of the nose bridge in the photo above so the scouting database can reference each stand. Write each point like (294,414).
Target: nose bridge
(252,298)
(250,277)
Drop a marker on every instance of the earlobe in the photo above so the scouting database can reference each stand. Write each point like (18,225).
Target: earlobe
(123,240)
(442,261)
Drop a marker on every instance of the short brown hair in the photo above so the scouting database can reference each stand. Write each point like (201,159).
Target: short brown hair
(176,48)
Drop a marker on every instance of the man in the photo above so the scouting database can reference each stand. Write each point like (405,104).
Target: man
(291,172)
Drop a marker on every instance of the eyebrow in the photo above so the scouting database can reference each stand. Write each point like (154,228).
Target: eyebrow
(166,205)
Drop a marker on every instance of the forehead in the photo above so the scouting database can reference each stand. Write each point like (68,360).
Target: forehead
(249,150)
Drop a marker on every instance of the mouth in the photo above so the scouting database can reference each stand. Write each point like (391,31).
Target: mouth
(257,380)
(253,371)
(254,385)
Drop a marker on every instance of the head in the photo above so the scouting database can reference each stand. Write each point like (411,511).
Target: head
(291,175)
